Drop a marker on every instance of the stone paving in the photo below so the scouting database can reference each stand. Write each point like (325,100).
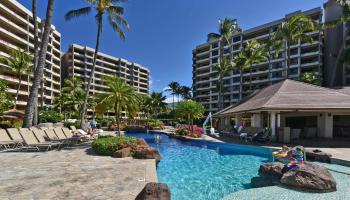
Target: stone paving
(72,174)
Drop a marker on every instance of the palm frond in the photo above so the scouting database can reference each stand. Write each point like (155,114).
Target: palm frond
(116,27)
(77,13)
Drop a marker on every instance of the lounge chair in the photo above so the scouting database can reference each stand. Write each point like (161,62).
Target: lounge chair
(14,134)
(32,142)
(61,136)
(6,142)
(41,136)
(262,136)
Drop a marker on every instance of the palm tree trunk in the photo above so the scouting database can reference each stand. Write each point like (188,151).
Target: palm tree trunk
(288,58)
(28,118)
(18,88)
(173,101)
(36,49)
(99,30)
(250,81)
(220,100)
(240,84)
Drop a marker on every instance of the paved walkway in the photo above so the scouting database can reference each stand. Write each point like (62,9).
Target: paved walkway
(72,174)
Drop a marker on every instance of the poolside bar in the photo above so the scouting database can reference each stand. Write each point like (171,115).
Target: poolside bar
(293,108)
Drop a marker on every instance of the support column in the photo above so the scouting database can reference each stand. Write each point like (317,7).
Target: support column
(256,120)
(274,122)
(238,120)
(325,125)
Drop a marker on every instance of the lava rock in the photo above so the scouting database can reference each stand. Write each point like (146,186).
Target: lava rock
(142,142)
(154,191)
(122,153)
(143,152)
(311,177)
(273,170)
(318,155)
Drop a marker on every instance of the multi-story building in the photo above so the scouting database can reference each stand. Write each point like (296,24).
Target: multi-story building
(77,62)
(16,31)
(336,73)
(305,57)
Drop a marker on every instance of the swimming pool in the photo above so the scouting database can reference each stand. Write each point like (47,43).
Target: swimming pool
(205,170)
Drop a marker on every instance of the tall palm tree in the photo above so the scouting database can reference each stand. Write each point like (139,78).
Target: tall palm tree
(290,32)
(30,108)
(20,63)
(120,96)
(174,88)
(36,52)
(157,103)
(114,15)
(253,53)
(186,92)
(227,28)
(225,65)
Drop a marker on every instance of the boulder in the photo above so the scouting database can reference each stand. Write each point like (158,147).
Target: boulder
(143,152)
(318,155)
(311,177)
(154,191)
(273,170)
(142,142)
(122,153)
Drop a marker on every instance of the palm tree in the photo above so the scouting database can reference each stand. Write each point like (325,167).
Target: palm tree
(36,51)
(253,53)
(20,62)
(30,108)
(189,110)
(240,65)
(186,92)
(157,103)
(225,65)
(115,19)
(227,28)
(120,97)
(174,88)
(290,32)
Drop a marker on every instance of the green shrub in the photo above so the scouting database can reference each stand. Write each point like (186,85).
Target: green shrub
(154,123)
(107,145)
(46,116)
(5,124)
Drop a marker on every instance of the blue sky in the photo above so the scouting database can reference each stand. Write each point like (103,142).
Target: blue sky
(164,32)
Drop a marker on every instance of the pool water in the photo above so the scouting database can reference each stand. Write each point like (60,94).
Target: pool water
(205,170)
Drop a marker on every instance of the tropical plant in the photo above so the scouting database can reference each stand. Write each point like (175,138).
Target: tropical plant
(311,78)
(290,32)
(251,54)
(189,110)
(120,97)
(157,103)
(5,100)
(51,116)
(174,88)
(20,62)
(114,15)
(107,145)
(186,92)
(71,99)
(32,100)
(227,28)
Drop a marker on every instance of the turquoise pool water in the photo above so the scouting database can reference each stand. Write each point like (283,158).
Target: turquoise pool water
(199,170)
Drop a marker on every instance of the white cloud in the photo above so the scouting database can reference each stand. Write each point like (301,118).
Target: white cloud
(169,99)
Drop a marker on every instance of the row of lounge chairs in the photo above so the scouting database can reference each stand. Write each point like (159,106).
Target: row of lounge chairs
(42,139)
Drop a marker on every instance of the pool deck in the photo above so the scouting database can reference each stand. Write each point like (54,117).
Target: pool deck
(75,173)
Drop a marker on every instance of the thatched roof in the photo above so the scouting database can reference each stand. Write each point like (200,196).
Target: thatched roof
(290,95)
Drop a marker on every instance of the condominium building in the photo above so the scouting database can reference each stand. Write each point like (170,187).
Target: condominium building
(336,73)
(77,62)
(16,31)
(305,57)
